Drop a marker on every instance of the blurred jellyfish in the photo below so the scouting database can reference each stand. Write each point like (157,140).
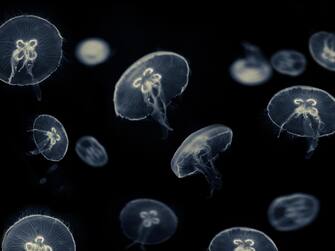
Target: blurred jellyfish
(292,212)
(289,62)
(303,111)
(91,151)
(93,51)
(148,222)
(253,69)
(50,138)
(241,239)
(148,86)
(38,233)
(198,152)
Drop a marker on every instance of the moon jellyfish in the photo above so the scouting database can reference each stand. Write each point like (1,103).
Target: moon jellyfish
(148,222)
(93,51)
(49,137)
(198,152)
(289,62)
(253,69)
(38,233)
(242,239)
(292,212)
(91,151)
(147,87)
(303,111)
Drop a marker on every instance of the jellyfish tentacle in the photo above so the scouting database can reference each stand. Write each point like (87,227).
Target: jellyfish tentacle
(46,145)
(292,115)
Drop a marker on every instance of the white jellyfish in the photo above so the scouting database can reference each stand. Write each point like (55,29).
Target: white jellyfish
(147,87)
(294,211)
(303,111)
(93,51)
(289,62)
(198,152)
(91,151)
(38,233)
(253,69)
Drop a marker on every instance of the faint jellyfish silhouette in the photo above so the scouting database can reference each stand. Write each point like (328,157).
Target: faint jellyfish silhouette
(241,239)
(303,111)
(91,151)
(147,87)
(289,62)
(294,211)
(253,69)
(50,138)
(148,222)
(38,233)
(93,51)
(198,152)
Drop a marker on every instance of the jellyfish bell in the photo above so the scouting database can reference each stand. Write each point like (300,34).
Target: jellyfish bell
(289,62)
(91,152)
(93,51)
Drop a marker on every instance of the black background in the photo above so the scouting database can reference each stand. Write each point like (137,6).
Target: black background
(257,168)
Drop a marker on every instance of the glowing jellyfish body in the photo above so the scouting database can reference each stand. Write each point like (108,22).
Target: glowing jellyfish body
(253,69)
(148,222)
(292,212)
(50,138)
(147,87)
(91,151)
(241,239)
(303,111)
(289,62)
(198,152)
(93,51)
(38,233)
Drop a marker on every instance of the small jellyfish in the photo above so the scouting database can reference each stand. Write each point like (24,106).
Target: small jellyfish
(289,62)
(147,87)
(303,111)
(93,51)
(198,152)
(241,239)
(91,151)
(38,233)
(292,212)
(253,69)
(49,137)
(148,222)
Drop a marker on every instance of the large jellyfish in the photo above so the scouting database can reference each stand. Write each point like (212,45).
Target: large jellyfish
(289,62)
(50,138)
(93,51)
(147,87)
(148,222)
(91,151)
(198,152)
(242,239)
(303,111)
(38,233)
(294,211)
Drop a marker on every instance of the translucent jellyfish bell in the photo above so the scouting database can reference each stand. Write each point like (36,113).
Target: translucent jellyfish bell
(241,239)
(198,152)
(294,211)
(148,222)
(93,51)
(303,111)
(50,138)
(91,151)
(147,87)
(289,62)
(38,233)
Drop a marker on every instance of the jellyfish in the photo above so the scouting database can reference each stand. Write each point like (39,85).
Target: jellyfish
(289,62)
(147,87)
(38,233)
(91,151)
(198,152)
(93,51)
(241,239)
(322,49)
(303,111)
(292,212)
(49,137)
(148,222)
(253,69)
